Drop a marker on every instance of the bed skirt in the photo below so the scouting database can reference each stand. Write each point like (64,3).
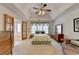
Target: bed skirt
(41,42)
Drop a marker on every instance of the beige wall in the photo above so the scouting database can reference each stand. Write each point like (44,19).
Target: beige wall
(3,11)
(51,23)
(1,18)
(17,35)
(29,27)
(45,18)
(1,23)
(67,21)
(36,18)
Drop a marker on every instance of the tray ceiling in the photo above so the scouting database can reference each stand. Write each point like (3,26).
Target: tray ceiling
(25,10)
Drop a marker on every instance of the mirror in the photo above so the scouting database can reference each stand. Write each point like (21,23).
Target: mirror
(59,29)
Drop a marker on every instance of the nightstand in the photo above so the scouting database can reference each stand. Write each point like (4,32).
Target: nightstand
(67,41)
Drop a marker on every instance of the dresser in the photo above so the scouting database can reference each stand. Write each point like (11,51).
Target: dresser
(58,37)
(5,43)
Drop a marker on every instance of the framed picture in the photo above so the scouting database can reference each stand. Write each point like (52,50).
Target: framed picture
(59,29)
(76,24)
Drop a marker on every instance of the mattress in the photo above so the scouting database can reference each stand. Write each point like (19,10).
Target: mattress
(41,39)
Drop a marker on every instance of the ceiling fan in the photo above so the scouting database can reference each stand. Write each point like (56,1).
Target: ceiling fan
(42,9)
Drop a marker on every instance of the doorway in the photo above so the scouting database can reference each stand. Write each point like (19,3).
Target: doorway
(24,30)
(17,31)
(9,26)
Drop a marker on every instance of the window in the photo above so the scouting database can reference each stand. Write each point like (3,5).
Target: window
(33,28)
(39,27)
(59,29)
(45,28)
(18,28)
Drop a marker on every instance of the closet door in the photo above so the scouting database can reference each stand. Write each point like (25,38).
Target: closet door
(9,26)
(24,30)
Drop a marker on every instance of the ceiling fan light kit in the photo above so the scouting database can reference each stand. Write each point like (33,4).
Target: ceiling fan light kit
(41,12)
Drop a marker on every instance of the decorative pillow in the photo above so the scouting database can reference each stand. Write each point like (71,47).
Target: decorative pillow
(37,32)
(42,32)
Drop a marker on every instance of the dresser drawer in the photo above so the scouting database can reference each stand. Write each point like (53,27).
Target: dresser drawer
(5,51)
(5,46)
(6,42)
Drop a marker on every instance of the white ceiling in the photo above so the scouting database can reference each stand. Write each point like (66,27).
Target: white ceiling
(56,8)
(26,9)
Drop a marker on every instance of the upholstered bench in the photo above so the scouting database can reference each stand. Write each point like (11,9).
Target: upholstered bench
(41,42)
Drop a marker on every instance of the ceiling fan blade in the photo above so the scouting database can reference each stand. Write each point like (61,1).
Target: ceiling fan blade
(44,5)
(48,10)
(35,8)
(36,12)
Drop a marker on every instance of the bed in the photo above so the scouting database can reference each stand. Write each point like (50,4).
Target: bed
(41,39)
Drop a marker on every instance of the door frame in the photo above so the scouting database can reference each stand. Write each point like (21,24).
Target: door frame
(6,16)
(23,38)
